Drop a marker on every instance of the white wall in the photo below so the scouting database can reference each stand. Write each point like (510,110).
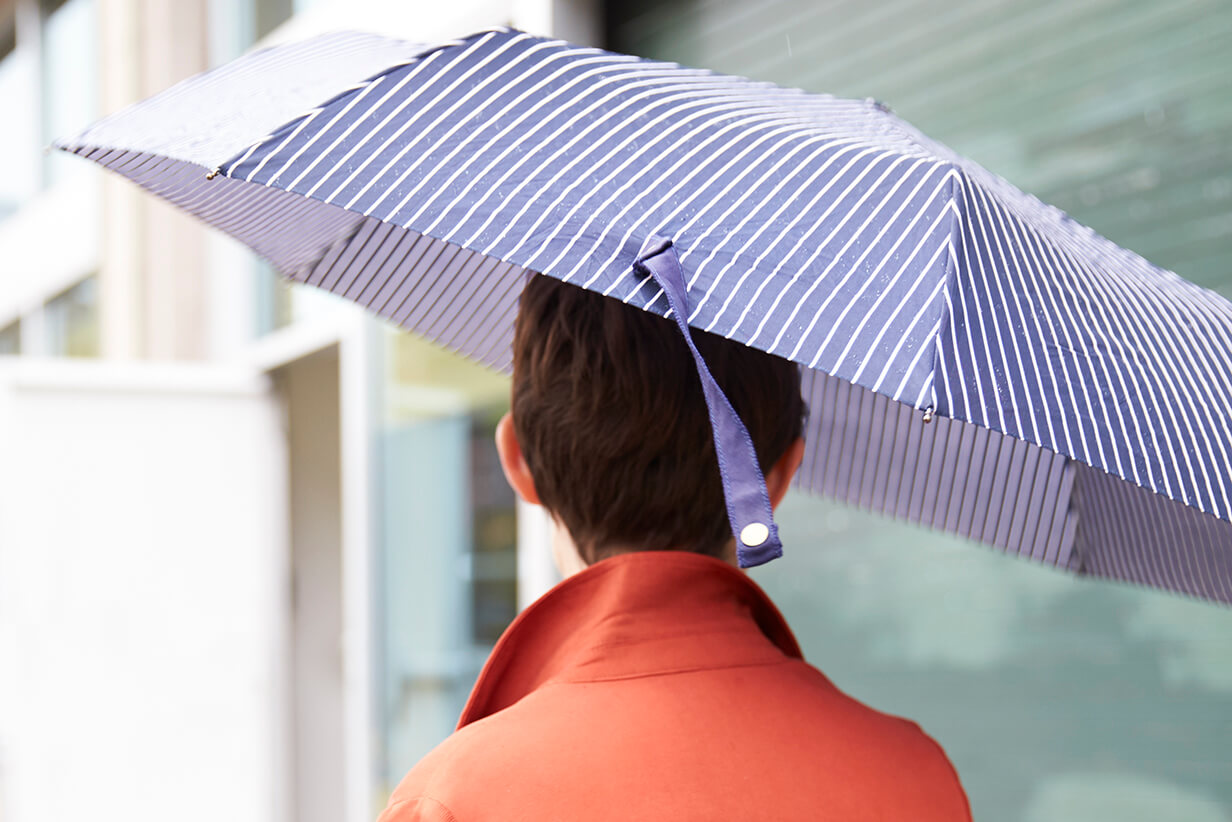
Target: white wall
(142,593)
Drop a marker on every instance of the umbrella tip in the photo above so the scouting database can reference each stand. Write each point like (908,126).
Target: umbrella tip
(213,173)
(928,414)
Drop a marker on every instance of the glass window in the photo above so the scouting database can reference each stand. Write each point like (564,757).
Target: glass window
(446,559)
(10,338)
(71,321)
(70,78)
(494,556)
(19,136)
(274,298)
(1056,698)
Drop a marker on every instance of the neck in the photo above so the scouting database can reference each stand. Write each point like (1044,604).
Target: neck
(569,559)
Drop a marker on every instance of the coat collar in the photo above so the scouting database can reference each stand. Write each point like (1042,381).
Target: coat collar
(635,614)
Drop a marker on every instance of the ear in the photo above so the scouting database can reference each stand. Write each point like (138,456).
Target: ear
(778,478)
(514,466)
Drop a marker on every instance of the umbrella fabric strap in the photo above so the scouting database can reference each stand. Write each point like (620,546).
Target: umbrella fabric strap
(744,486)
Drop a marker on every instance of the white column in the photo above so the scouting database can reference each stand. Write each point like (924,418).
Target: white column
(358,369)
(120,293)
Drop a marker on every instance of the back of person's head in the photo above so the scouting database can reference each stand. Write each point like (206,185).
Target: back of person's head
(609,413)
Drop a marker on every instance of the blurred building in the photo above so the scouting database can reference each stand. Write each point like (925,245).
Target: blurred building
(253,544)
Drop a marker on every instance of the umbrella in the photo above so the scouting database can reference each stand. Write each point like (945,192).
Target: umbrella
(974,360)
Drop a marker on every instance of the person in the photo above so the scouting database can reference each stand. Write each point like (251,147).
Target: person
(656,681)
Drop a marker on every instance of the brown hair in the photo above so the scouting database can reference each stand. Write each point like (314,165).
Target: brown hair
(609,412)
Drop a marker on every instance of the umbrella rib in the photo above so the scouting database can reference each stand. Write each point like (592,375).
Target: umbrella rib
(910,370)
(977,203)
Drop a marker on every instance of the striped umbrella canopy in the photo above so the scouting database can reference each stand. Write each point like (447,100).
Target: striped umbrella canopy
(974,360)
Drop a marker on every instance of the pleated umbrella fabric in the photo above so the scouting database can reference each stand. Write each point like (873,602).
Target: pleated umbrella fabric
(974,359)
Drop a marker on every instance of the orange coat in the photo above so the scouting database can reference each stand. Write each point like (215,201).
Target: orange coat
(666,685)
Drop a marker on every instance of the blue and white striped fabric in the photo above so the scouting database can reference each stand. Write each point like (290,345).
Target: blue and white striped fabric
(1079,396)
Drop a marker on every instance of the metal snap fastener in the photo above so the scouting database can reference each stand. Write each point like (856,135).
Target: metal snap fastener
(754,534)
